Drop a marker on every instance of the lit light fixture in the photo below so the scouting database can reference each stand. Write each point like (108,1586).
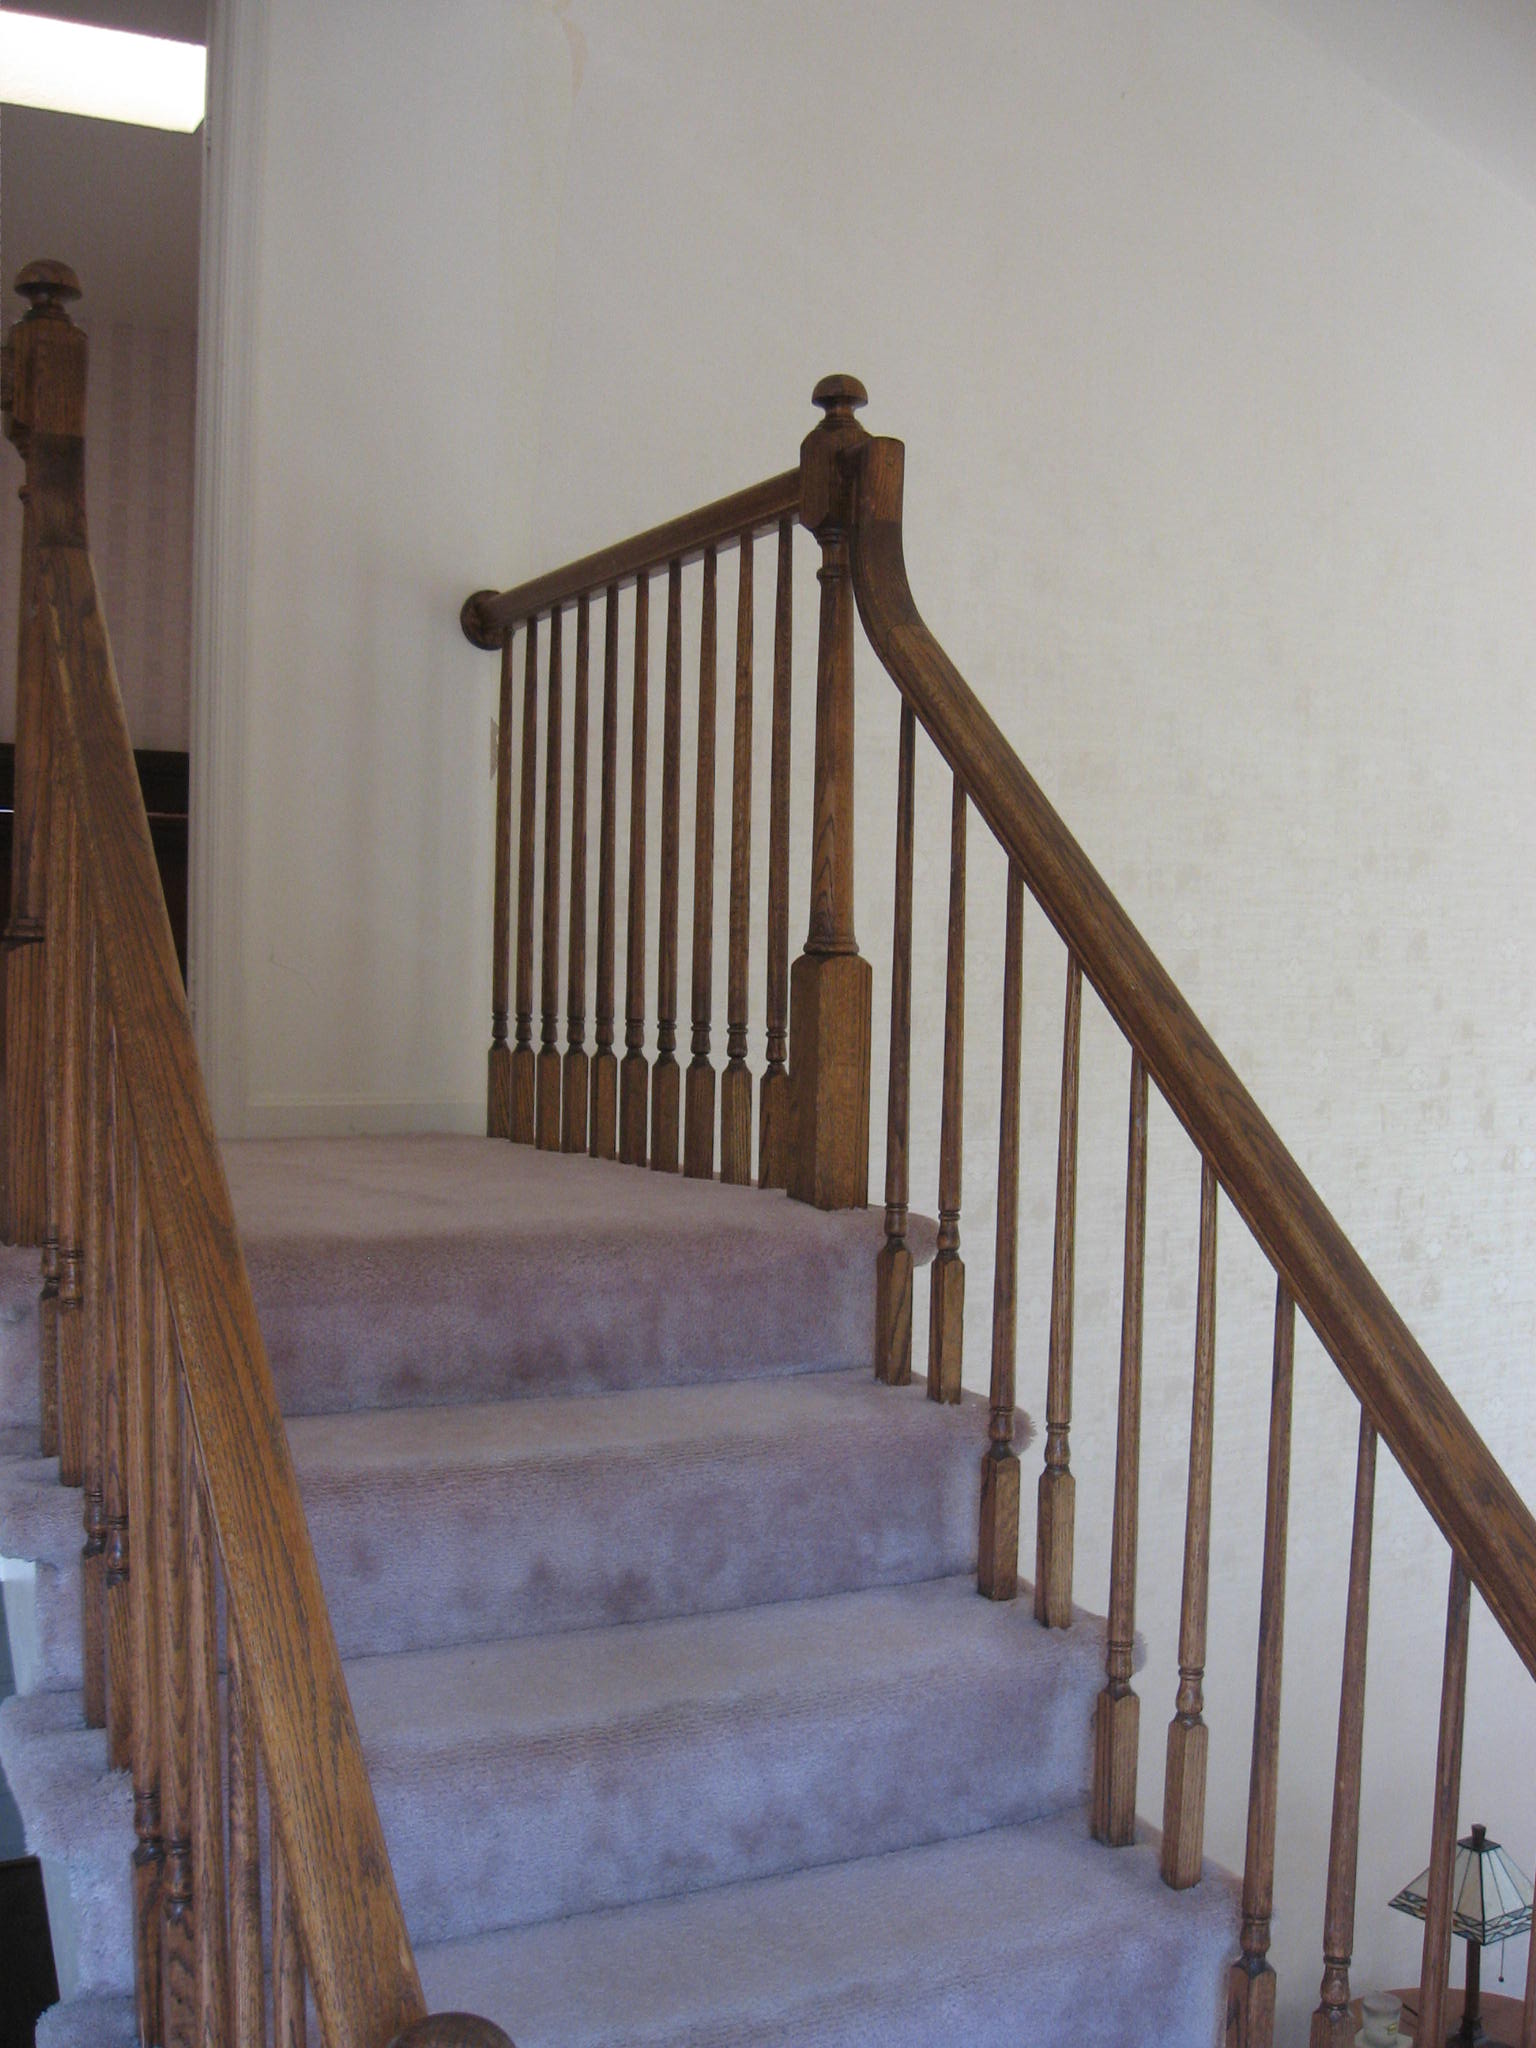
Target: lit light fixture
(103,72)
(1490,1901)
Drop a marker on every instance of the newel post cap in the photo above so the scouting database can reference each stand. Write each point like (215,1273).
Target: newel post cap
(476,628)
(48,286)
(826,478)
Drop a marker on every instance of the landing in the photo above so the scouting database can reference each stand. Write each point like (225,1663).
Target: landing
(406,1271)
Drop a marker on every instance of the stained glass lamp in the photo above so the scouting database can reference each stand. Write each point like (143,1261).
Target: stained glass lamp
(1491,1900)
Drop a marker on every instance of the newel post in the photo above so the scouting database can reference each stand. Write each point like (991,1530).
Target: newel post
(830,986)
(44,407)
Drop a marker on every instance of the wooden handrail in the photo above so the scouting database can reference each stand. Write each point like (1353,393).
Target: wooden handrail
(360,1963)
(489,615)
(1447,1462)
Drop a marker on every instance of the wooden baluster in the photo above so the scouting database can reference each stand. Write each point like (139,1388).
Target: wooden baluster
(1528,2003)
(120,1292)
(547,1116)
(605,1071)
(1333,2025)
(831,987)
(893,1266)
(69,1007)
(736,1081)
(498,1075)
(524,1061)
(666,1076)
(53,1022)
(1117,1717)
(177,1963)
(574,1075)
(946,1310)
(699,1110)
(288,2023)
(209,1924)
(1435,1968)
(633,1072)
(93,1555)
(246,1982)
(773,1097)
(1056,1506)
(1251,1985)
(1188,1736)
(138,1358)
(998,1550)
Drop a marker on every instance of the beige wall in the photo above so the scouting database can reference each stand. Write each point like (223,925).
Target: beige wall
(139,500)
(1215,373)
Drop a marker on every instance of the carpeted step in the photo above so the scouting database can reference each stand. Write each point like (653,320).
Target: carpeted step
(397,1271)
(437,1526)
(1028,1935)
(522,1781)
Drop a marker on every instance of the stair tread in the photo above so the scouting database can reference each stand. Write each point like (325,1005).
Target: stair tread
(404,1271)
(1021,1933)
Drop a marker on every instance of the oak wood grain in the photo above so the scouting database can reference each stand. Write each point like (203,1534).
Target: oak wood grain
(118,1305)
(247,1984)
(1435,1969)
(210,1923)
(666,1078)
(547,1072)
(699,1107)
(893,1265)
(498,1079)
(946,1299)
(773,1135)
(736,1081)
(149,1847)
(93,1611)
(524,1062)
(998,1571)
(634,1073)
(605,1089)
(574,1075)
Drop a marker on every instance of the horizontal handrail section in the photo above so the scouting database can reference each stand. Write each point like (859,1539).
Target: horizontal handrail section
(489,616)
(1449,1466)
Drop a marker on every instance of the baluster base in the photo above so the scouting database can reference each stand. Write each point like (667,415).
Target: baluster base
(1333,2024)
(893,1314)
(603,1141)
(1055,1522)
(547,1100)
(736,1125)
(830,998)
(946,1334)
(1184,1803)
(1116,1729)
(773,1130)
(521,1119)
(1251,2004)
(634,1106)
(699,1121)
(666,1111)
(997,1572)
(498,1092)
(575,1084)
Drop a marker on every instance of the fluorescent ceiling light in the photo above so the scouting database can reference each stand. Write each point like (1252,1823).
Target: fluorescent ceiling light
(105,72)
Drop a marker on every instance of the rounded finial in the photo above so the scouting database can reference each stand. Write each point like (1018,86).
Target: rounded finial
(47,285)
(840,397)
(472,621)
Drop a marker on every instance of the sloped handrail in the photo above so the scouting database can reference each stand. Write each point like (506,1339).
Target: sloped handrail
(1449,1466)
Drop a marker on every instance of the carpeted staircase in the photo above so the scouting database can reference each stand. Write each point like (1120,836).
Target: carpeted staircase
(686,1724)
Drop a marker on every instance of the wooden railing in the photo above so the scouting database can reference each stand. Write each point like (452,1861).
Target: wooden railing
(848,491)
(155,1389)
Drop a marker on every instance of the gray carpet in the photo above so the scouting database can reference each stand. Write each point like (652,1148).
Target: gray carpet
(686,1724)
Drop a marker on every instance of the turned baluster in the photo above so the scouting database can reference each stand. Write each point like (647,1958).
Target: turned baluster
(1056,1506)
(288,2019)
(699,1107)
(893,1266)
(736,1081)
(547,1084)
(178,1980)
(247,1990)
(574,1074)
(1333,2025)
(138,1364)
(998,1550)
(95,1318)
(605,1072)
(56,914)
(66,966)
(666,1076)
(1435,1968)
(946,1310)
(1188,1736)
(209,1925)
(524,1060)
(1251,1985)
(831,987)
(120,1290)
(1117,1715)
(773,1097)
(633,1071)
(498,1076)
